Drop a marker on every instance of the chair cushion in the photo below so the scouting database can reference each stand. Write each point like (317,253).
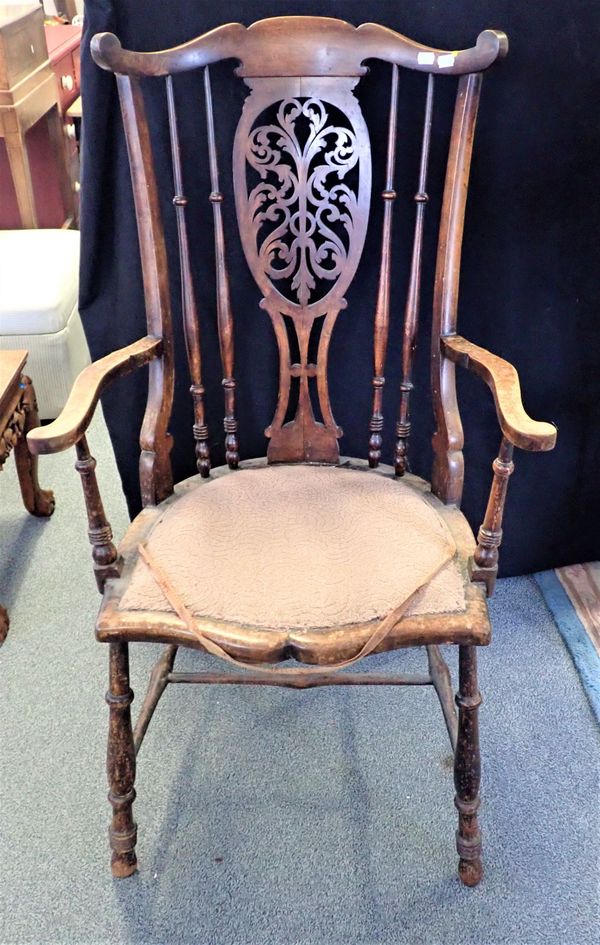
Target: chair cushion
(304,547)
(39,280)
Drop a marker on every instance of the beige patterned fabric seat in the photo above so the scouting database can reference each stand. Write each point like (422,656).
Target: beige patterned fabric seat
(301,547)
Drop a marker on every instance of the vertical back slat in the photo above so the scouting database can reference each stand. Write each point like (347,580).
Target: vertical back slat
(382,309)
(156,480)
(191,323)
(224,313)
(448,467)
(411,315)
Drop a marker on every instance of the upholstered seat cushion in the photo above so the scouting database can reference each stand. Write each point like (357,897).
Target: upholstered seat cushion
(39,280)
(301,547)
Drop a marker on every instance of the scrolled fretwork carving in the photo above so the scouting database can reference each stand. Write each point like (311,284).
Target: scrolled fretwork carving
(302,159)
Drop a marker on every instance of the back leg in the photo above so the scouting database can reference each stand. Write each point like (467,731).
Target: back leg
(467,769)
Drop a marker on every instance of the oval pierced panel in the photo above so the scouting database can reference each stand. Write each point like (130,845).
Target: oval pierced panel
(303,180)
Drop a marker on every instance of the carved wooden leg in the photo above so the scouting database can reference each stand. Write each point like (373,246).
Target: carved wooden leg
(120,763)
(467,769)
(37,501)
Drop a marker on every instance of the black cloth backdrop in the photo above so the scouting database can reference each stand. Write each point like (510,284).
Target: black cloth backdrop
(530,287)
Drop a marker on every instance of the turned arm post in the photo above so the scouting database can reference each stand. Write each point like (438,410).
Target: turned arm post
(484,564)
(104,553)
(69,429)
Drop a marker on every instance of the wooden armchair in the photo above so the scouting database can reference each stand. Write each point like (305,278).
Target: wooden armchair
(296,556)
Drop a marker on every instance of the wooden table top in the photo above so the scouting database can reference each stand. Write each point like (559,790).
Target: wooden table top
(11,368)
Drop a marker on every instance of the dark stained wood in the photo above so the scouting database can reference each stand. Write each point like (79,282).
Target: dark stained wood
(156,480)
(160,677)
(302,264)
(120,763)
(191,322)
(224,313)
(104,553)
(382,310)
(484,565)
(411,314)
(79,409)
(467,769)
(448,467)
(300,682)
(442,681)
(503,381)
(321,46)
(302,181)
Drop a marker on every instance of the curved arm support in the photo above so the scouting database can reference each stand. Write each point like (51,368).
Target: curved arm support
(77,413)
(503,381)
(299,46)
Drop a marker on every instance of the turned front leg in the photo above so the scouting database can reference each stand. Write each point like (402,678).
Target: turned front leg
(467,769)
(120,763)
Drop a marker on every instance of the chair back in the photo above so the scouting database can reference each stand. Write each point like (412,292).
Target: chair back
(303,178)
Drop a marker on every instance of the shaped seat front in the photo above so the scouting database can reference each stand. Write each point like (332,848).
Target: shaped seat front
(305,554)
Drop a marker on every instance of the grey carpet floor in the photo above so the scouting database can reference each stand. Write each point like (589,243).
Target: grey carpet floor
(269,817)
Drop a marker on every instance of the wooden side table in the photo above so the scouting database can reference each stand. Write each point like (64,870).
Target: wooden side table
(28,93)
(18,415)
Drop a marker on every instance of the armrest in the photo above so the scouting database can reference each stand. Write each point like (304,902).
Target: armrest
(503,381)
(79,409)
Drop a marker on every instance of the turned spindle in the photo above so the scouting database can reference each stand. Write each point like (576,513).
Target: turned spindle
(382,309)
(191,323)
(411,313)
(224,312)
(484,565)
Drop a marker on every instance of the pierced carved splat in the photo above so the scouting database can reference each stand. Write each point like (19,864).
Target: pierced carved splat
(302,176)
(308,197)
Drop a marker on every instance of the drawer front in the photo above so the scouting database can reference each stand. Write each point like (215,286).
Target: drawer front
(67,80)
(22,48)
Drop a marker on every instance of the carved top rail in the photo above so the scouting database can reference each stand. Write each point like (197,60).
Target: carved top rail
(322,46)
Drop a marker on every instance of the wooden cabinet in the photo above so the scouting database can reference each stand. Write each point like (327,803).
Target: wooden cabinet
(36,185)
(63,51)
